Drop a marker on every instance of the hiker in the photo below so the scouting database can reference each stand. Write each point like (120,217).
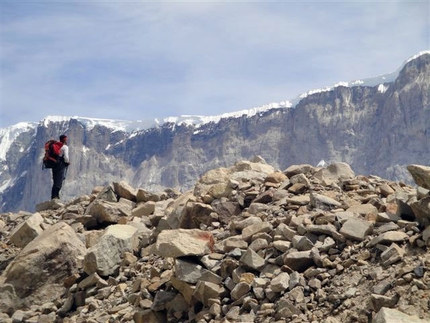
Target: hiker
(60,170)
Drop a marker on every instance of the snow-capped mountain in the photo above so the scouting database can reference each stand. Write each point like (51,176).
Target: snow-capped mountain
(378,125)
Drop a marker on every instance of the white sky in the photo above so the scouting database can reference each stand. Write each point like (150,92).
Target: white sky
(138,60)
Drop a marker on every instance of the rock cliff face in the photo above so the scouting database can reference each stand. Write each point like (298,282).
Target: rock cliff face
(376,129)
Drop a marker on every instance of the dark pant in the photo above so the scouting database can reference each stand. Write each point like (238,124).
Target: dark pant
(58,175)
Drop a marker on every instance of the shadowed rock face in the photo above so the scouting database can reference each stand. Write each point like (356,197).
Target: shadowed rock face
(376,132)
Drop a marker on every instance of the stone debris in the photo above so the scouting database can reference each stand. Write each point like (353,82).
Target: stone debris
(248,244)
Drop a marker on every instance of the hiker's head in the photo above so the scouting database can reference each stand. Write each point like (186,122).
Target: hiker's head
(63,138)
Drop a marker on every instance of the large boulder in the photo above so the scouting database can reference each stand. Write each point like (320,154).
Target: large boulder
(124,190)
(184,242)
(421,211)
(38,272)
(105,212)
(335,173)
(390,315)
(104,257)
(421,175)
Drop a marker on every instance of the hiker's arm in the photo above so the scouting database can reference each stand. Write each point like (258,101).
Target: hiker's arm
(66,154)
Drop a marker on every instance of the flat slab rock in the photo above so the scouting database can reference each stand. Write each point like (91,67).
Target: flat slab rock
(388,315)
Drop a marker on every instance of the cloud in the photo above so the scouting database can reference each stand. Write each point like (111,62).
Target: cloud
(138,60)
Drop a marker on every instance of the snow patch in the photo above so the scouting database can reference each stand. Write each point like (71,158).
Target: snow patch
(201,120)
(373,81)
(322,163)
(382,88)
(134,126)
(5,185)
(424,52)
(8,136)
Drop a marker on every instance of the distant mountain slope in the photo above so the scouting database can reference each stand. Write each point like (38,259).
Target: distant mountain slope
(378,128)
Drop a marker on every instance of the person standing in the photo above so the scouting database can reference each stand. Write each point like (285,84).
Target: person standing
(60,170)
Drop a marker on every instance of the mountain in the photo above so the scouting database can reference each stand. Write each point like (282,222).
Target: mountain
(378,126)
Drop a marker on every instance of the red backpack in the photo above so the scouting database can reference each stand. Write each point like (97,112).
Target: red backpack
(52,153)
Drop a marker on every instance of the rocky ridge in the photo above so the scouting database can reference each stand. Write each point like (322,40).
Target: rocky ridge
(249,243)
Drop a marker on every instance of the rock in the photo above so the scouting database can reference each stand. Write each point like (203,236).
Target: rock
(252,260)
(8,300)
(257,208)
(286,309)
(388,238)
(276,177)
(149,316)
(253,229)
(392,255)
(327,229)
(54,204)
(321,201)
(37,273)
(356,229)
(382,287)
(404,209)
(297,188)
(259,166)
(209,180)
(265,197)
(300,179)
(334,173)
(302,243)
(420,174)
(421,210)
(258,244)
(240,290)
(109,212)
(298,169)
(183,242)
(380,301)
(242,224)
(234,242)
(280,283)
(225,209)
(175,210)
(27,231)
(92,280)
(299,261)
(144,209)
(386,189)
(188,271)
(205,291)
(104,257)
(196,215)
(282,246)
(391,226)
(107,194)
(366,210)
(145,196)
(389,315)
(124,190)
(161,299)
(297,200)
(426,235)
